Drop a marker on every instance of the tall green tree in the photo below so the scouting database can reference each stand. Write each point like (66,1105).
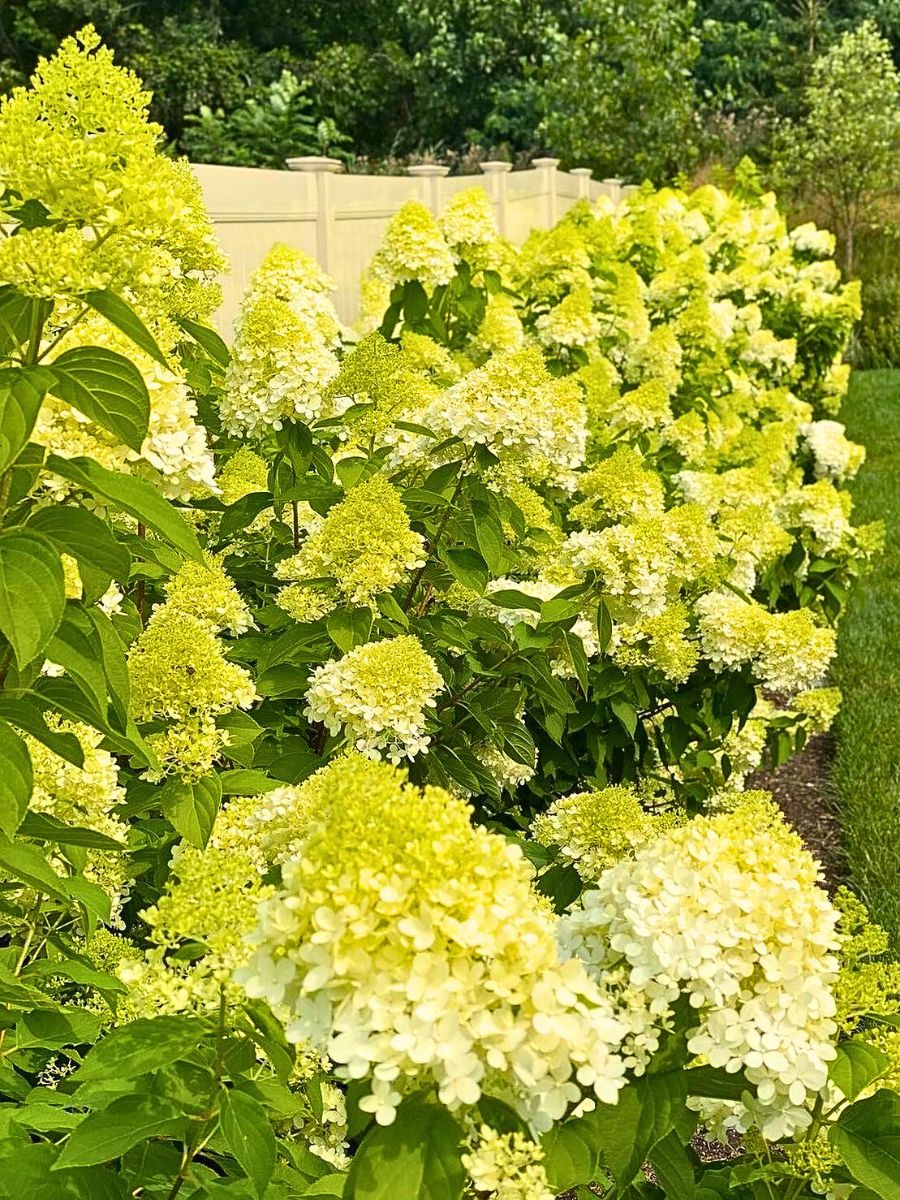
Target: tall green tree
(844,153)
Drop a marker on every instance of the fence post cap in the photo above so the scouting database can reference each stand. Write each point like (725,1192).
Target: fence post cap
(546,162)
(584,172)
(428,169)
(314,162)
(614,180)
(495,166)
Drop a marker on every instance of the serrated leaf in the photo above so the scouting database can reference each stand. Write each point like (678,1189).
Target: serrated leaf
(570,1157)
(129,494)
(467,566)
(32,592)
(110,1133)
(604,626)
(119,313)
(856,1065)
(193,807)
(209,340)
(22,391)
(83,536)
(349,627)
(43,827)
(26,862)
(140,1047)
(16,780)
(415,1158)
(248,1135)
(867,1137)
(107,387)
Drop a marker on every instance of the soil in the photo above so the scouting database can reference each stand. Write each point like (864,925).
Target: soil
(803,790)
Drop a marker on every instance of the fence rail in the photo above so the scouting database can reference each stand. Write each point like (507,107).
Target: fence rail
(340,219)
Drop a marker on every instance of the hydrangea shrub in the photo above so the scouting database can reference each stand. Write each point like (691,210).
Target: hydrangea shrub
(376,707)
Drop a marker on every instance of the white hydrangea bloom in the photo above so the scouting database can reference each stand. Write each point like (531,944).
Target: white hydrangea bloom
(727,911)
(380,694)
(836,457)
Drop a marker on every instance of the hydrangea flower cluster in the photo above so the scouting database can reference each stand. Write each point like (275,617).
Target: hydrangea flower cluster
(180,674)
(594,830)
(789,651)
(413,247)
(519,412)
(380,694)
(365,544)
(506,1166)
(447,969)
(283,355)
(88,796)
(467,220)
(727,911)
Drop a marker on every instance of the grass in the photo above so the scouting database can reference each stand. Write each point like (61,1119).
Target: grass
(866,772)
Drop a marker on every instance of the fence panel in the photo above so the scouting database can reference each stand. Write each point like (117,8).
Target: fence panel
(340,219)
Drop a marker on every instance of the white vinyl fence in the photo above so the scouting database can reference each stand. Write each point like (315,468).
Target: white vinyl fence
(339,219)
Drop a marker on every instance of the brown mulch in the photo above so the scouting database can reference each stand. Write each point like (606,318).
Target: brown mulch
(803,790)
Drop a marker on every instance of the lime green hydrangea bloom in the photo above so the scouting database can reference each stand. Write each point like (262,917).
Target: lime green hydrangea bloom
(365,543)
(620,488)
(467,219)
(122,215)
(178,669)
(413,247)
(596,829)
(433,899)
(204,590)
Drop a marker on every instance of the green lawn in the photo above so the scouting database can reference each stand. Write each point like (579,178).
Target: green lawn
(867,766)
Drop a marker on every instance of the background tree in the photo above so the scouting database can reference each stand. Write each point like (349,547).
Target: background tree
(619,95)
(844,155)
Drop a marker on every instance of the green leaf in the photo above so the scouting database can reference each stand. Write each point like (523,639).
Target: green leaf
(16,780)
(510,598)
(90,541)
(32,592)
(76,647)
(27,1173)
(22,391)
(248,1135)
(415,1158)
(17,317)
(53,1029)
(140,1047)
(349,627)
(604,626)
(112,660)
(107,388)
(856,1065)
(134,496)
(123,316)
(716,1083)
(246,781)
(27,714)
(646,1111)
(209,340)
(42,827)
(867,1137)
(26,862)
(193,807)
(489,536)
(570,1156)
(109,1134)
(673,1168)
(467,566)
